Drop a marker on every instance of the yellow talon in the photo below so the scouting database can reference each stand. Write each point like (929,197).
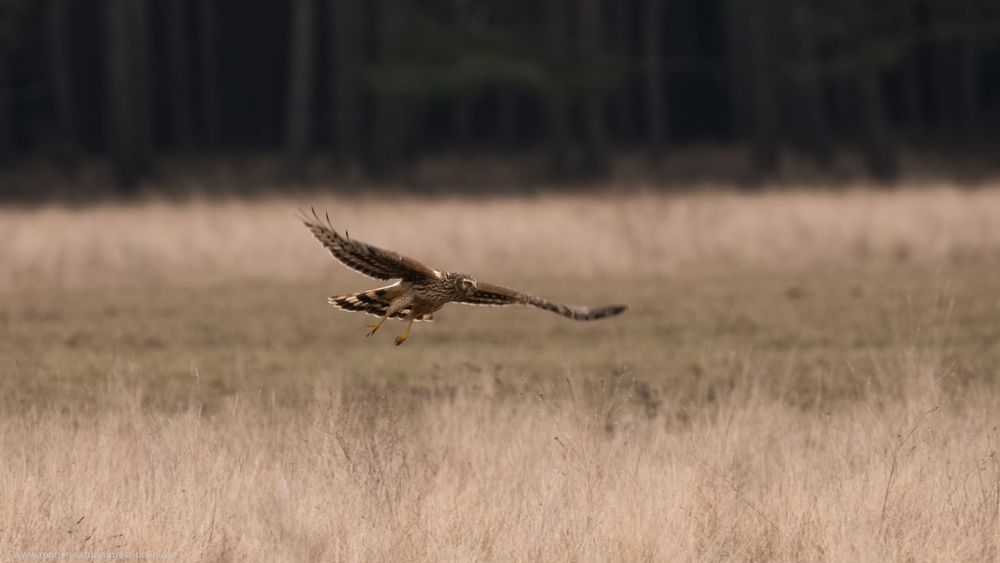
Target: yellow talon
(406,333)
(375,326)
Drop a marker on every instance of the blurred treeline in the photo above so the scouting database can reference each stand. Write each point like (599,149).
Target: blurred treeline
(375,84)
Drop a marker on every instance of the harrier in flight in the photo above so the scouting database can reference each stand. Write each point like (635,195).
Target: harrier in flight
(420,290)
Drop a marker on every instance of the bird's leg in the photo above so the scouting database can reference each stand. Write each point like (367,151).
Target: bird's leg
(377,325)
(406,333)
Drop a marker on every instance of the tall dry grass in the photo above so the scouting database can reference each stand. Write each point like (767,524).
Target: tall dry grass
(547,474)
(478,462)
(644,233)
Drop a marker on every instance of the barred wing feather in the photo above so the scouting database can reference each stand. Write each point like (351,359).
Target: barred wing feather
(496,295)
(364,258)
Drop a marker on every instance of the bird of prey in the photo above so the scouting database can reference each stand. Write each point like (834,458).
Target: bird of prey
(420,290)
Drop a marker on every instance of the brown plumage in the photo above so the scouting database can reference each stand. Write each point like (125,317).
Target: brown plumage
(420,290)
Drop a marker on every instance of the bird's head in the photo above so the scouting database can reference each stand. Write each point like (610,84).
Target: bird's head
(466,284)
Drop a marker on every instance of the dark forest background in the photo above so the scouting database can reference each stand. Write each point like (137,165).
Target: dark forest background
(373,86)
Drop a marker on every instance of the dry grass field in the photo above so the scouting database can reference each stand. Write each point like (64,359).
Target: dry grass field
(801,377)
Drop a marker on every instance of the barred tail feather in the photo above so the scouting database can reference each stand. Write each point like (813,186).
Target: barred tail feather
(371,302)
(360,302)
(579,312)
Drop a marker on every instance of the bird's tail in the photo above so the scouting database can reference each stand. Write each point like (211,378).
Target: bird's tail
(374,302)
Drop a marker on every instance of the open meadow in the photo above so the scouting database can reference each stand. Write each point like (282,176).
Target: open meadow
(801,376)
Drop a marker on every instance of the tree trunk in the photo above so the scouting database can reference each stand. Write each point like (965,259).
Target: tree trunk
(141,72)
(128,119)
(880,149)
(595,143)
(969,86)
(300,82)
(764,151)
(813,129)
(557,120)
(738,64)
(179,71)
(463,103)
(462,120)
(211,124)
(652,39)
(624,113)
(390,112)
(845,110)
(6,111)
(60,75)
(913,107)
(556,108)
(121,95)
(972,107)
(816,123)
(506,120)
(347,44)
(945,100)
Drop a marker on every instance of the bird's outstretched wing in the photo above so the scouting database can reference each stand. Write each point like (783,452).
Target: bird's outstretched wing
(364,258)
(496,295)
